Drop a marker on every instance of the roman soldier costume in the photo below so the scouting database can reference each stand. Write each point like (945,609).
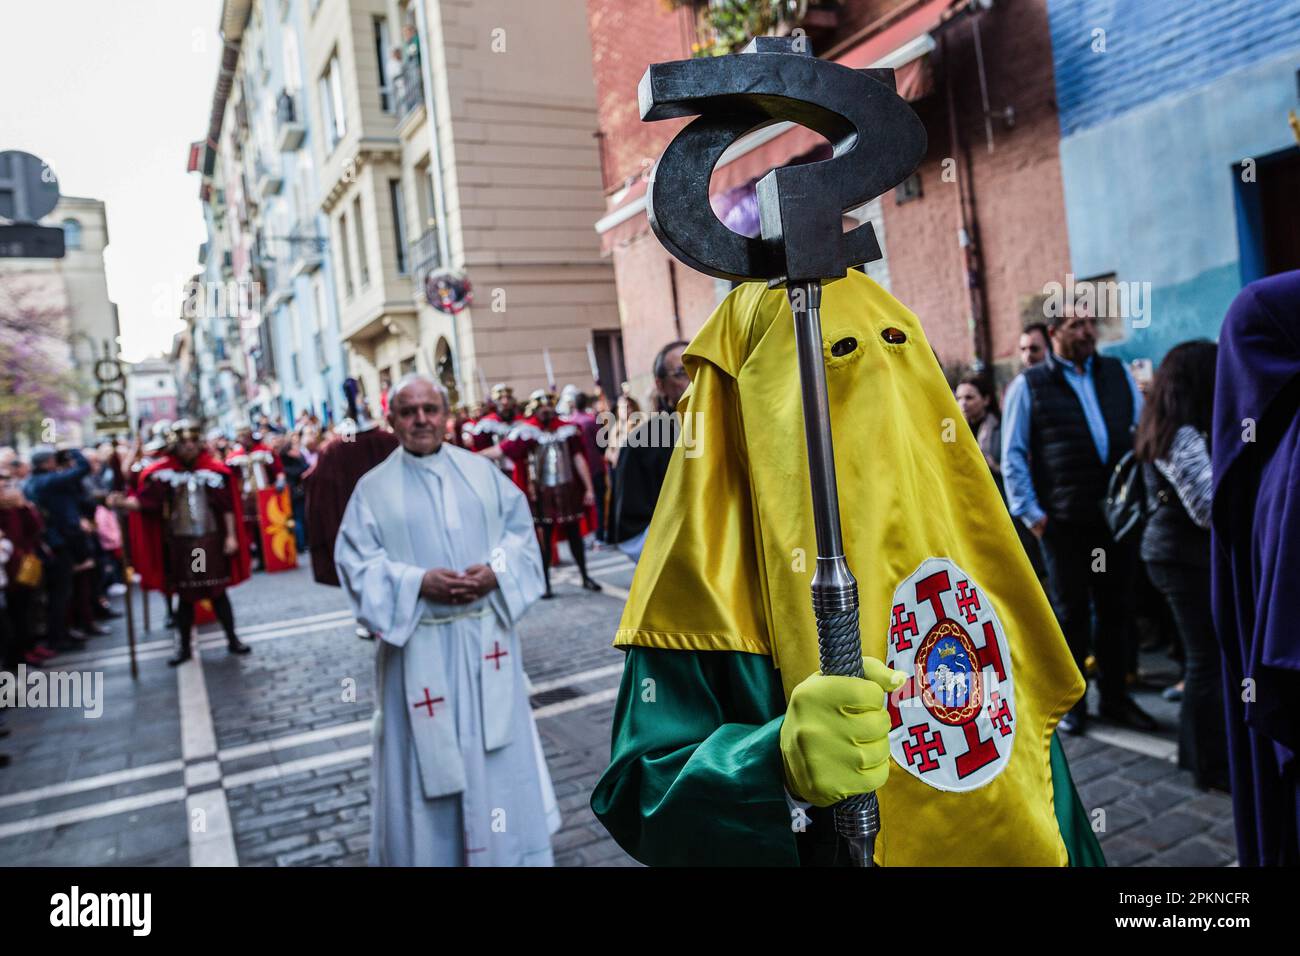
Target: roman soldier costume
(491,429)
(474,431)
(188,511)
(550,456)
(149,454)
(496,419)
(218,444)
(259,469)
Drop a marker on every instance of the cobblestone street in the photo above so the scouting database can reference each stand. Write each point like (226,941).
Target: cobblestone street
(271,752)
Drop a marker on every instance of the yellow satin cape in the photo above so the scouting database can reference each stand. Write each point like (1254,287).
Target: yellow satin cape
(730,553)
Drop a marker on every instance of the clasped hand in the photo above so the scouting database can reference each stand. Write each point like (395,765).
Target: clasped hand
(444,586)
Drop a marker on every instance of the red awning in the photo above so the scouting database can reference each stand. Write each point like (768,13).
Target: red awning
(922,20)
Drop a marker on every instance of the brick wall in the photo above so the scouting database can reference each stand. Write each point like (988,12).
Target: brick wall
(1019,201)
(1017,187)
(626,37)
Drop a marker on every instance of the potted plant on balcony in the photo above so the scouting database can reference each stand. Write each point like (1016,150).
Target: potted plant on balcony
(725,26)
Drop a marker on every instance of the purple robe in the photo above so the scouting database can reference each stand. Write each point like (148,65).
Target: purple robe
(1256,562)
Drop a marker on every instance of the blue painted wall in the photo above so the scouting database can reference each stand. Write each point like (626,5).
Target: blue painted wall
(1157,49)
(1154,131)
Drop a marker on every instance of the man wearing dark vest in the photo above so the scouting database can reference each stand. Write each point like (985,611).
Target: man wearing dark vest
(1068,421)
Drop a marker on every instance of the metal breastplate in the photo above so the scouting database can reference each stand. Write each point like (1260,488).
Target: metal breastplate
(552,463)
(259,469)
(189,513)
(253,471)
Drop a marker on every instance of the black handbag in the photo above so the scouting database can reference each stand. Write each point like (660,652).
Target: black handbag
(1125,507)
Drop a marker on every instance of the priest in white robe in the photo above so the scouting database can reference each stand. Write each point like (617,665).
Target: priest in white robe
(438,557)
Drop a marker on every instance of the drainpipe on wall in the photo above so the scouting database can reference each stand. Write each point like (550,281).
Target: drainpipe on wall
(969,234)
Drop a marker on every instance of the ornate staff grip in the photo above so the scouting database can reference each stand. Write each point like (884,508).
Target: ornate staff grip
(839,641)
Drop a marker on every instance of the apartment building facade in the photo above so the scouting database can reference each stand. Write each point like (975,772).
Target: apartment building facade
(357,146)
(265,336)
(358,154)
(455,139)
(513,112)
(292,248)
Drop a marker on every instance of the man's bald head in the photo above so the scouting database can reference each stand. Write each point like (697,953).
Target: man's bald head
(417,411)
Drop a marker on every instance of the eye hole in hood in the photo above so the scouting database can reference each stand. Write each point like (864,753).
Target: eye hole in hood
(844,346)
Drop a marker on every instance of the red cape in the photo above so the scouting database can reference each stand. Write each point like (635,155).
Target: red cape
(145,528)
(329,487)
(516,449)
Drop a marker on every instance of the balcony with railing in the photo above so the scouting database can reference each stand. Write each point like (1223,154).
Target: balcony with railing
(277,285)
(410,88)
(269,179)
(288,121)
(424,257)
(307,246)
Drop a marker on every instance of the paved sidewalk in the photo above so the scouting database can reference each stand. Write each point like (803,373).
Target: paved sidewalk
(270,753)
(264,760)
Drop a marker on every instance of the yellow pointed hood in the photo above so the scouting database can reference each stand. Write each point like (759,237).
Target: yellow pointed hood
(947,593)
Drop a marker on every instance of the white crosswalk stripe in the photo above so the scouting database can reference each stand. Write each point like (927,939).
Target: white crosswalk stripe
(147,650)
(91,783)
(214,845)
(92,812)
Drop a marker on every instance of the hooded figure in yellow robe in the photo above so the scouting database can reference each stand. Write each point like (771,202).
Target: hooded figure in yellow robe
(719,628)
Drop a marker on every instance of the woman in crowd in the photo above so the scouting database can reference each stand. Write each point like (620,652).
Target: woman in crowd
(622,421)
(295,461)
(21,525)
(1173,442)
(979,405)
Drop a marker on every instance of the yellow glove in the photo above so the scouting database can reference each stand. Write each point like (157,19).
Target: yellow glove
(835,737)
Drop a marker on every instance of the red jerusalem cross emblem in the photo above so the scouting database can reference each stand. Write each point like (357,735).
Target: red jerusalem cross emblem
(952,723)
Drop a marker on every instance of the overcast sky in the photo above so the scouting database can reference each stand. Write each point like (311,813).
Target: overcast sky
(111,93)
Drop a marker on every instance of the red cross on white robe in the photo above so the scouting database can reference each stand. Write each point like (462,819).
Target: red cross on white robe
(496,655)
(428,702)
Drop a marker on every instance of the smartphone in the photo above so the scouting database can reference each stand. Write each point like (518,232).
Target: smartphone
(1142,370)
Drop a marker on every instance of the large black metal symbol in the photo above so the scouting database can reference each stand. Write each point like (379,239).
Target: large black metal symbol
(877,142)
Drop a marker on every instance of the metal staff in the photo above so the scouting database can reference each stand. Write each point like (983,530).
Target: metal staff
(550,369)
(834,588)
(802,245)
(595,369)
